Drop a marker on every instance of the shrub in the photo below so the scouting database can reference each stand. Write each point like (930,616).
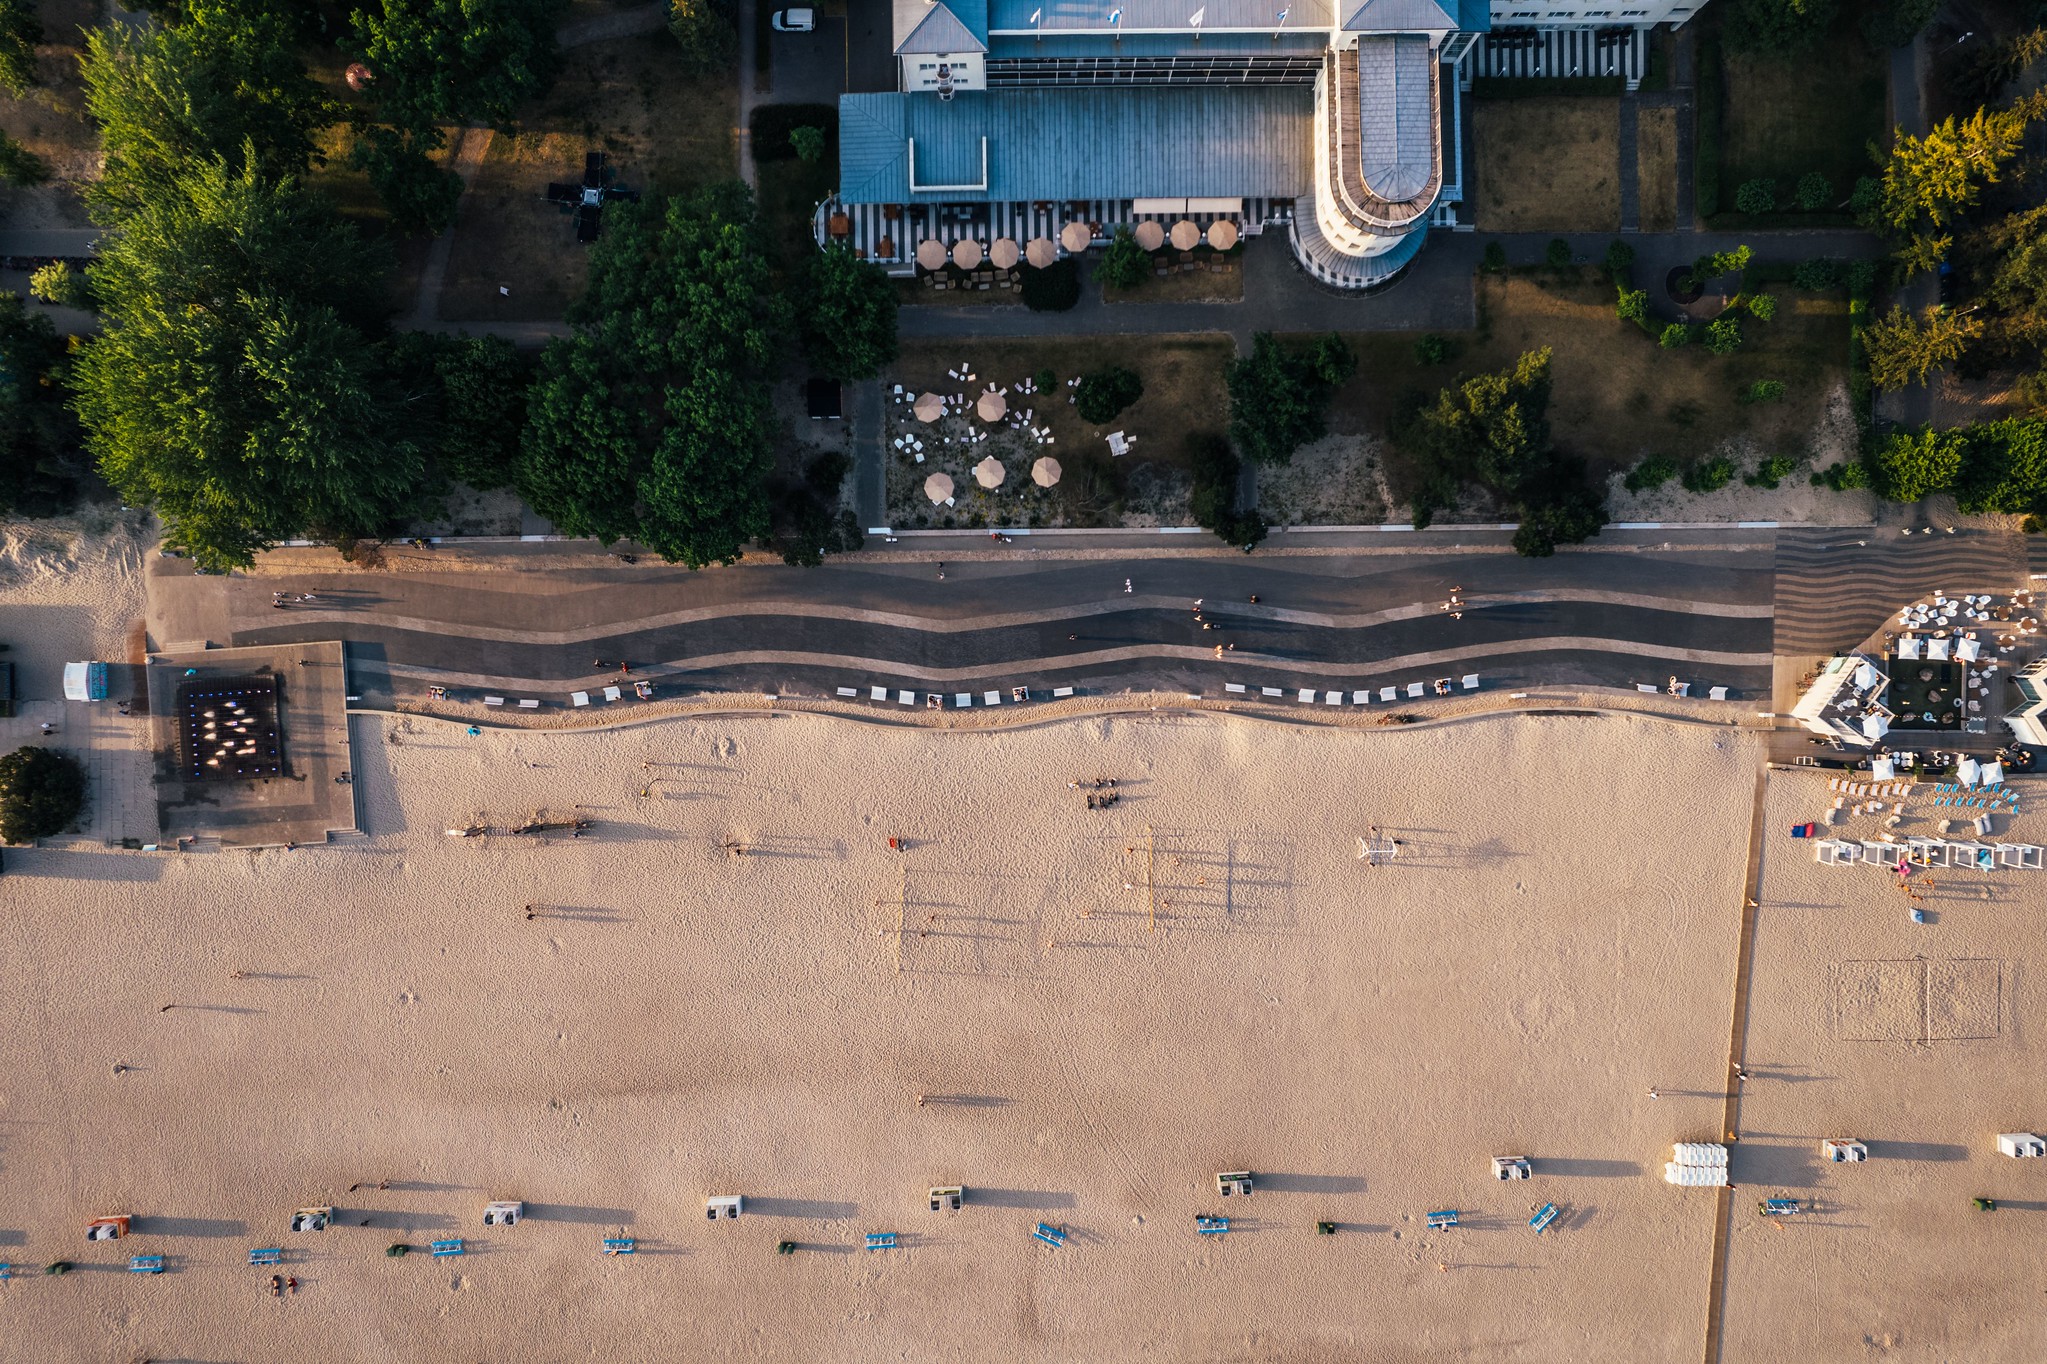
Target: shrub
(1866,200)
(1495,258)
(1675,335)
(1278,395)
(1125,265)
(774,128)
(1619,256)
(1771,472)
(809,142)
(1817,274)
(60,283)
(1558,254)
(1105,392)
(703,31)
(1709,475)
(1762,307)
(1053,289)
(1756,196)
(1653,471)
(1435,350)
(1861,276)
(1762,391)
(1844,476)
(1332,360)
(1910,465)
(1633,306)
(1814,192)
(41,793)
(1215,469)
(1723,336)
(1045,380)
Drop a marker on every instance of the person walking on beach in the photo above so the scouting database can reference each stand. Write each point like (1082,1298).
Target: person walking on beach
(1126,587)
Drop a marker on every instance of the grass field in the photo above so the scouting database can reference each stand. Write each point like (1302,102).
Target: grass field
(626,97)
(1617,395)
(1183,393)
(1656,168)
(1783,117)
(1548,165)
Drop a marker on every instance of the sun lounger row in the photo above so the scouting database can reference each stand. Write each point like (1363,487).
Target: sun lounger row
(937,700)
(1864,788)
(1930,852)
(1361,696)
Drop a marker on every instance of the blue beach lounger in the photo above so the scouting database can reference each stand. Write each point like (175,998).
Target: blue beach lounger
(443,1249)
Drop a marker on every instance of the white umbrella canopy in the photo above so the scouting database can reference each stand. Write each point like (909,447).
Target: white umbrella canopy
(1045,472)
(1040,252)
(1075,236)
(929,407)
(966,253)
(931,253)
(1003,254)
(992,406)
(989,473)
(938,487)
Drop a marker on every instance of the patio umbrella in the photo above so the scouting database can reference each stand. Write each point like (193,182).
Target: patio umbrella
(1222,234)
(1045,472)
(929,407)
(1075,237)
(992,406)
(966,254)
(1003,255)
(1150,235)
(931,253)
(1039,251)
(989,473)
(1184,235)
(938,487)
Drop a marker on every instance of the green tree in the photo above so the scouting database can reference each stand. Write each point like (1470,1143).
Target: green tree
(451,61)
(1559,253)
(1332,360)
(1905,350)
(1125,264)
(1723,335)
(1675,335)
(1817,274)
(1214,468)
(1432,349)
(1709,475)
(1633,306)
(1277,400)
(703,30)
(419,195)
(1619,258)
(464,399)
(1866,200)
(809,143)
(1939,175)
(1756,196)
(1761,391)
(224,84)
(1102,393)
(1762,307)
(849,316)
(39,439)
(652,419)
(1982,72)
(20,31)
(1923,251)
(1493,428)
(1894,23)
(2004,467)
(1909,465)
(42,793)
(1779,26)
(233,387)
(1653,471)
(61,284)
(1814,192)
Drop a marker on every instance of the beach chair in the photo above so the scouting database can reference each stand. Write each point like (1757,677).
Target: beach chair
(1716,693)
(6,1272)
(1442,1221)
(579,698)
(947,1197)
(1511,1167)
(1361,698)
(1051,1236)
(108,1228)
(1270,691)
(1332,698)
(1779,1207)
(1307,695)
(1211,1226)
(724,1206)
(1415,690)
(1236,687)
(493,700)
(991,698)
(1644,686)
(503,1213)
(963,700)
(620,1245)
(907,698)
(1062,691)
(145,1264)
(1233,1182)
(1389,693)
(1544,1215)
(881,1240)
(529,704)
(612,693)
(849,691)
(443,1249)
(266,1255)
(877,693)
(1471,681)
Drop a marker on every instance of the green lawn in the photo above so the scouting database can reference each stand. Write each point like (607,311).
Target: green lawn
(1782,117)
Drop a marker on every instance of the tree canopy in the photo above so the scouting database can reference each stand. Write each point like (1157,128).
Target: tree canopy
(1904,350)
(446,61)
(223,85)
(1278,394)
(849,316)
(233,387)
(20,31)
(651,420)
(42,792)
(1782,26)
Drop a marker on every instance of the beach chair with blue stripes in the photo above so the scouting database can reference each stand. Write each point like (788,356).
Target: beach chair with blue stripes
(145,1264)
(1780,1207)
(1051,1236)
(620,1245)
(266,1255)
(1211,1226)
(443,1249)
(1544,1215)
(881,1240)
(1442,1221)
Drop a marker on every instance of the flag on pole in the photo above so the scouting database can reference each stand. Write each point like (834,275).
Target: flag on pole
(1284,13)
(1197,16)
(1116,15)
(1034,15)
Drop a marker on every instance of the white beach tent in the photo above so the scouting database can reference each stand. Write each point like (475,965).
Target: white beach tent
(1875,726)
(1882,769)
(1966,771)
(1936,648)
(1968,650)
(1865,675)
(1908,646)
(1992,774)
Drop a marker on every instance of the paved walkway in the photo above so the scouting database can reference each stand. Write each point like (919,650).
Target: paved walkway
(647,18)
(865,411)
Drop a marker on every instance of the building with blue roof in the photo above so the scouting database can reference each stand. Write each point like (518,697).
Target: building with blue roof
(1038,127)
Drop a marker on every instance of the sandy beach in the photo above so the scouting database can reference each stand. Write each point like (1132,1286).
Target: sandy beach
(680,1020)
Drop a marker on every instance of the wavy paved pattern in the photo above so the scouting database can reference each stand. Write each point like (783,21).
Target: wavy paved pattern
(1833,592)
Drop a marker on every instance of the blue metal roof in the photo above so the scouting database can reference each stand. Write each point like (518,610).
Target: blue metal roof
(923,26)
(1166,16)
(1071,45)
(1474,16)
(1088,142)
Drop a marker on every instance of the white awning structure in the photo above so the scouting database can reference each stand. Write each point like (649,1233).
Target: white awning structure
(1967,771)
(1909,646)
(1875,726)
(1882,769)
(1992,774)
(1968,650)
(1843,699)
(1937,648)
(1865,675)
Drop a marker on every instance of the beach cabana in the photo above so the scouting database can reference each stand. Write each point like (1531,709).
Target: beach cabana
(724,1207)
(1967,770)
(1511,1167)
(1875,726)
(1938,649)
(312,1219)
(1908,646)
(1968,650)
(947,1197)
(2021,1145)
(1882,769)
(503,1213)
(108,1228)
(1237,1182)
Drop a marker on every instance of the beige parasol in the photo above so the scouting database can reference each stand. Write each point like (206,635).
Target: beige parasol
(992,406)
(966,253)
(938,487)
(931,253)
(989,473)
(1222,234)
(1150,235)
(1075,237)
(1184,235)
(929,407)
(1045,472)
(1003,255)
(1039,251)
